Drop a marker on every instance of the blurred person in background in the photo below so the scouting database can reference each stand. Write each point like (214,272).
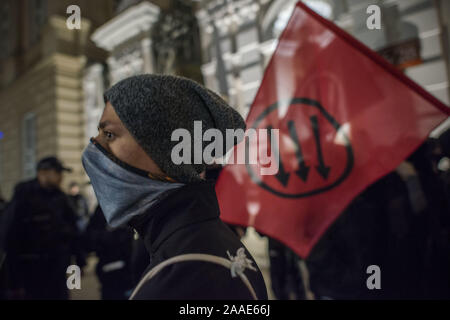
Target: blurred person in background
(285,275)
(41,235)
(80,207)
(3,226)
(113,247)
(2,253)
(2,202)
(399,223)
(435,218)
(373,230)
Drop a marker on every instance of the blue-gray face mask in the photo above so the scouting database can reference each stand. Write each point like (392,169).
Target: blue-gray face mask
(122,191)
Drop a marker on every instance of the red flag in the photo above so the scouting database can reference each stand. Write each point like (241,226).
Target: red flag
(345,118)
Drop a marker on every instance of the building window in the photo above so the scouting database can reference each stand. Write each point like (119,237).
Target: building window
(38,17)
(29,146)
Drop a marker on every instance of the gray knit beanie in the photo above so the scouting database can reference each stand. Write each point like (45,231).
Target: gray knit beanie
(152,106)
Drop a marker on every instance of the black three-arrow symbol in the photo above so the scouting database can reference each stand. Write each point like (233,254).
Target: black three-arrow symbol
(303,169)
(322,169)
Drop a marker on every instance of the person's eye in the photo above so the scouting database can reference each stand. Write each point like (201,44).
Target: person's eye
(108,135)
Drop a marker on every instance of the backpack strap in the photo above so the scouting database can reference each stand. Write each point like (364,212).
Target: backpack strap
(237,264)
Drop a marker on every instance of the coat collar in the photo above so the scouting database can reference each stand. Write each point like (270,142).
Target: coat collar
(190,204)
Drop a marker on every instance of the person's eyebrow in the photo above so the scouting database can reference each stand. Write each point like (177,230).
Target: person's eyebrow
(103,124)
(111,126)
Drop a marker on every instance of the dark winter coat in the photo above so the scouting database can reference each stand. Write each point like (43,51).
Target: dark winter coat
(40,238)
(187,221)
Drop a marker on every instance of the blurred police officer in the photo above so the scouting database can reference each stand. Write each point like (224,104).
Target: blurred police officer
(41,235)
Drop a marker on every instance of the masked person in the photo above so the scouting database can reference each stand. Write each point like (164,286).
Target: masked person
(171,206)
(41,236)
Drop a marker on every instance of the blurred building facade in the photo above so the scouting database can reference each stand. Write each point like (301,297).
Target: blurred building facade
(52,78)
(41,95)
(239,37)
(143,37)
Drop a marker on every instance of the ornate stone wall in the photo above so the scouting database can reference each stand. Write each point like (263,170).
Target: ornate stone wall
(127,39)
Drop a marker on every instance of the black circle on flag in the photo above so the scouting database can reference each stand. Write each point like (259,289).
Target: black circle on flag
(302,172)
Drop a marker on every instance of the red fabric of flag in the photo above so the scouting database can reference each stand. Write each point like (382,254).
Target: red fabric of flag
(345,118)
